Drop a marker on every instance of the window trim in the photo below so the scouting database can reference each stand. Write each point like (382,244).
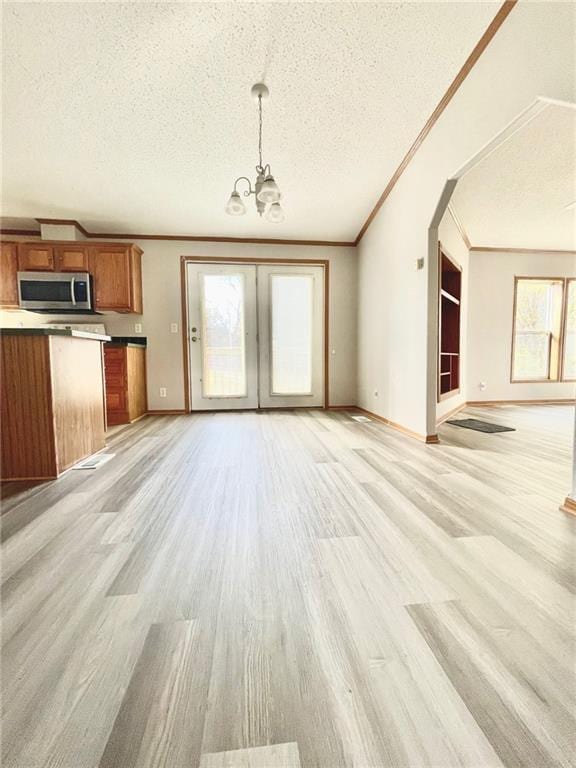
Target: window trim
(563,323)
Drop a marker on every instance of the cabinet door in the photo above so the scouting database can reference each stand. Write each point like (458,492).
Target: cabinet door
(8,275)
(72,258)
(35,257)
(116,384)
(110,268)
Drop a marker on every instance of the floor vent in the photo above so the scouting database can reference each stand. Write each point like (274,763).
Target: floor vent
(361,418)
(94,462)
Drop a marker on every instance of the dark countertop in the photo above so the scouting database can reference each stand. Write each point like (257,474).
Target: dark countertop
(129,341)
(39,331)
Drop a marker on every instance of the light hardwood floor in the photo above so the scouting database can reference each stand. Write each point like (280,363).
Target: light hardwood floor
(295,589)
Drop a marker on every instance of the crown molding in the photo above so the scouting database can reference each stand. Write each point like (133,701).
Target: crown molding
(479,49)
(495,249)
(187,238)
(20,232)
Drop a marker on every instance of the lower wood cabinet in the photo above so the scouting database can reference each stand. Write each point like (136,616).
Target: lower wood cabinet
(125,376)
(51,403)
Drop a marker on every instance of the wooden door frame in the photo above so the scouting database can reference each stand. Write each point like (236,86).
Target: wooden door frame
(224,260)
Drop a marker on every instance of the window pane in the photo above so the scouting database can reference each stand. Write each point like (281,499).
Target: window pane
(291,297)
(531,355)
(223,338)
(533,305)
(570,338)
(537,329)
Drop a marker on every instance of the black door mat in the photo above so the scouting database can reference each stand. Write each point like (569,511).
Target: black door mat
(480,426)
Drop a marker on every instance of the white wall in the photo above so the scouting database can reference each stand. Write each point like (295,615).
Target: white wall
(490,311)
(393,296)
(162,307)
(457,250)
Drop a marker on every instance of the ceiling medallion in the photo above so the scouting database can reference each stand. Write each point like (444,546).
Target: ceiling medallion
(265,190)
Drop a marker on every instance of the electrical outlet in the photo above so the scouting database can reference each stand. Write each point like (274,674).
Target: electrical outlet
(376,393)
(162,391)
(482,386)
(173,327)
(138,328)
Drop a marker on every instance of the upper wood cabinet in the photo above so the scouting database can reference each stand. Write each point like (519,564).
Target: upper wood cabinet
(72,258)
(117,273)
(8,275)
(116,270)
(35,257)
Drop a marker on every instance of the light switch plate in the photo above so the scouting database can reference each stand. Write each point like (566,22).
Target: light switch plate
(162,391)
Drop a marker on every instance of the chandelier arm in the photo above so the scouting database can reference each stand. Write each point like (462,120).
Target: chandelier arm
(247,192)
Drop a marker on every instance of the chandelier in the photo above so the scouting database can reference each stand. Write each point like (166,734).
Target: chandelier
(265,190)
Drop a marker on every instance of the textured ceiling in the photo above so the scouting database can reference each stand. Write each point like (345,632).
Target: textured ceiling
(137,117)
(517,196)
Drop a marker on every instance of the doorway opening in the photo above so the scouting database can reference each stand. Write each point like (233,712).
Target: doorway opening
(255,334)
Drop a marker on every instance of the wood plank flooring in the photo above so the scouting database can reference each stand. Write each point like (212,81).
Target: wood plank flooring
(291,590)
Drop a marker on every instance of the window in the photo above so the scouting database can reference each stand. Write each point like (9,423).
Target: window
(543,348)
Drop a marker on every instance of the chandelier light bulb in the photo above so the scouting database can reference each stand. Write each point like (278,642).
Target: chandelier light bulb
(235,206)
(269,192)
(275,213)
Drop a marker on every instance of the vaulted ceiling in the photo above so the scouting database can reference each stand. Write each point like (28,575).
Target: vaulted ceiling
(137,117)
(523,194)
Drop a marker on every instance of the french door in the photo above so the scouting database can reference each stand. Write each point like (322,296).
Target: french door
(256,336)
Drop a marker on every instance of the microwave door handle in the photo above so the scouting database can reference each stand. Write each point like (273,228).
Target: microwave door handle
(72,295)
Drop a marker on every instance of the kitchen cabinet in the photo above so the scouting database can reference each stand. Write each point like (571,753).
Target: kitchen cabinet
(125,378)
(117,273)
(72,258)
(51,401)
(8,275)
(35,257)
(116,269)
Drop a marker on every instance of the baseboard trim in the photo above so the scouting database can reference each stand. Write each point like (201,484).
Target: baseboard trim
(569,506)
(168,412)
(342,408)
(429,439)
(556,401)
(453,412)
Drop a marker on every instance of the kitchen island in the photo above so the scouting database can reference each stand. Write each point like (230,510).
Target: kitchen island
(52,401)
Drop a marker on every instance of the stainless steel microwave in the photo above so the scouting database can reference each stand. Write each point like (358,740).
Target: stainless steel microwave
(55,292)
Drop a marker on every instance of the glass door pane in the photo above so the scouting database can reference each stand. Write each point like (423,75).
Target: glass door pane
(569,370)
(223,335)
(292,330)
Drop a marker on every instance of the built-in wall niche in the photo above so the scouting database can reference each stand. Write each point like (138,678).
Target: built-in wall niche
(449,310)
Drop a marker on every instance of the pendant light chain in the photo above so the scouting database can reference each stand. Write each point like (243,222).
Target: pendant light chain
(260,128)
